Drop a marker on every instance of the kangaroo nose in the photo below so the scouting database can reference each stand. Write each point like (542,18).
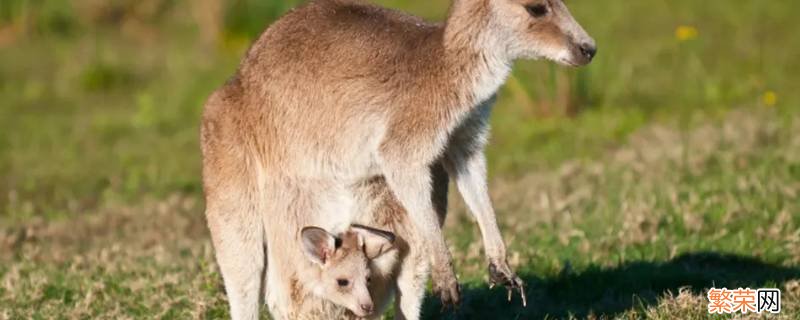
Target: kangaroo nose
(588,50)
(367,308)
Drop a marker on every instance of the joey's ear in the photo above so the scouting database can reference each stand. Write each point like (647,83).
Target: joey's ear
(375,242)
(318,244)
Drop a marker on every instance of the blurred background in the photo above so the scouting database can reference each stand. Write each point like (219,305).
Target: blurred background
(681,137)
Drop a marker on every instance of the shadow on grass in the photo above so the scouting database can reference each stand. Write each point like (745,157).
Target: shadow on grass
(609,292)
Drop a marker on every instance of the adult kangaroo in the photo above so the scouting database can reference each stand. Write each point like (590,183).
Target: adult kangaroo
(337,92)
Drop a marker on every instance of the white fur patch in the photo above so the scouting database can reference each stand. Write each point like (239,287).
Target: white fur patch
(491,73)
(384,265)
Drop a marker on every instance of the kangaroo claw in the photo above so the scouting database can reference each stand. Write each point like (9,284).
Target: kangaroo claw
(445,285)
(503,275)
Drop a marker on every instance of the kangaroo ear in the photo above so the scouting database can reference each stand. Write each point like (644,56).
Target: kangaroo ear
(375,242)
(318,244)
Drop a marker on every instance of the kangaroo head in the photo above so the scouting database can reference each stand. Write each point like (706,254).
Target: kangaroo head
(527,29)
(344,274)
(543,29)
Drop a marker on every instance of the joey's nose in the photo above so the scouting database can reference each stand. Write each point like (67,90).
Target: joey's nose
(367,308)
(588,50)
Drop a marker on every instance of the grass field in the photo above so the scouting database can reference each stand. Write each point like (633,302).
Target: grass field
(625,189)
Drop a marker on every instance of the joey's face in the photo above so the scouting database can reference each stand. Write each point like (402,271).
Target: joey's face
(346,278)
(344,262)
(534,29)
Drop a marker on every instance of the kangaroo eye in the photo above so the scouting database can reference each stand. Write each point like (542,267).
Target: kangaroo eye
(342,282)
(369,280)
(537,10)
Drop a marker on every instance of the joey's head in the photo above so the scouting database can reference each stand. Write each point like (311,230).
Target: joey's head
(343,261)
(534,29)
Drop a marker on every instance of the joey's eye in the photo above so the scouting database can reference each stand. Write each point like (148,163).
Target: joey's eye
(369,280)
(342,282)
(537,10)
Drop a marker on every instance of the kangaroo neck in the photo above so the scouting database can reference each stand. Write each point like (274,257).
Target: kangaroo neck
(473,52)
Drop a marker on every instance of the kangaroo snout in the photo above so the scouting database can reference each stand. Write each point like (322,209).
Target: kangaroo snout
(367,308)
(587,51)
(582,53)
(363,309)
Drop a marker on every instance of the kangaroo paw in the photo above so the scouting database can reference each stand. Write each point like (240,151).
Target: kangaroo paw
(445,285)
(501,274)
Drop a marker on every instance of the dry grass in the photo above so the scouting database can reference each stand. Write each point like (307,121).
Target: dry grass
(149,261)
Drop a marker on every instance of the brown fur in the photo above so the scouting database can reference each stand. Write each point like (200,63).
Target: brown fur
(338,92)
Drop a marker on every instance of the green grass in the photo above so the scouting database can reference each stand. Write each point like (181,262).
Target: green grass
(624,189)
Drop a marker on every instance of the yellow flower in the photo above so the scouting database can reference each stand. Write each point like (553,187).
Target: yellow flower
(686,33)
(770,98)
